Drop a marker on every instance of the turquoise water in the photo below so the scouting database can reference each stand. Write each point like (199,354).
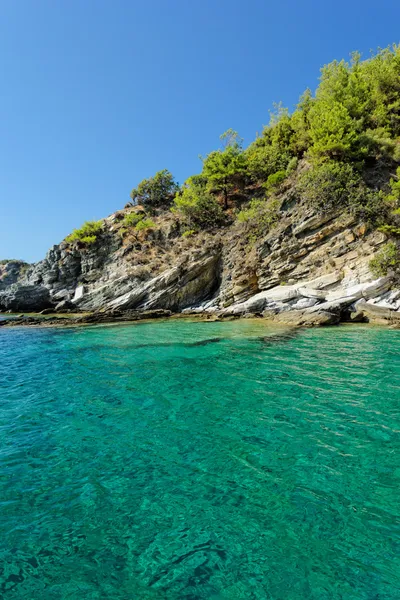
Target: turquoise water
(178,460)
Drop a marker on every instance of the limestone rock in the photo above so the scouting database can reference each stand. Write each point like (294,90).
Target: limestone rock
(28,298)
(65,305)
(307,319)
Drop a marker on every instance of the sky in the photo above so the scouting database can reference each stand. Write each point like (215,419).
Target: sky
(97,95)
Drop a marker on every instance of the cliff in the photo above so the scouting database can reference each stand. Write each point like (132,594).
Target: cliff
(309,268)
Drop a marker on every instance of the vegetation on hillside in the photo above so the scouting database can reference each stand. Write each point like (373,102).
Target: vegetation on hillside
(135,222)
(12,261)
(347,130)
(387,259)
(87,234)
(156,192)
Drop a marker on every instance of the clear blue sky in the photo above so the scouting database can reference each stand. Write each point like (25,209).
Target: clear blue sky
(98,94)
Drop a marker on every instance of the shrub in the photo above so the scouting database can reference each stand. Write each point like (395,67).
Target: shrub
(137,222)
(260,216)
(12,261)
(198,208)
(292,165)
(394,195)
(385,260)
(354,115)
(145,224)
(273,150)
(156,192)
(331,185)
(275,180)
(389,229)
(188,233)
(87,234)
(132,219)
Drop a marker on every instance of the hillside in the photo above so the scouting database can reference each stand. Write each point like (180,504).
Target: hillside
(301,226)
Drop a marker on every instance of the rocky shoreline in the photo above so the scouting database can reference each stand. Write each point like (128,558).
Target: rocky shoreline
(309,270)
(336,313)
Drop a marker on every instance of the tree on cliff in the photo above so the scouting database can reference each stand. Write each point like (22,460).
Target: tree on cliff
(224,168)
(197,207)
(156,192)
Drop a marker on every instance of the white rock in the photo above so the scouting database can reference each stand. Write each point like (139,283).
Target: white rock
(312,293)
(322,282)
(80,290)
(305,303)
(361,290)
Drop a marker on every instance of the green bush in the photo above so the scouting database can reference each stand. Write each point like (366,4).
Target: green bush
(275,180)
(331,185)
(292,165)
(145,224)
(132,219)
(12,261)
(137,222)
(274,149)
(385,260)
(259,217)
(394,196)
(188,233)
(354,116)
(87,234)
(197,207)
(156,192)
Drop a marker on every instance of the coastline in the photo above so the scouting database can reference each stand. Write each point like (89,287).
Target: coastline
(291,318)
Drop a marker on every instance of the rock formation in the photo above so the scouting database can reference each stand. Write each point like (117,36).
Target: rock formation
(309,269)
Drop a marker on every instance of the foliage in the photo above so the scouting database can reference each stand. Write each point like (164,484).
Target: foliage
(394,196)
(12,261)
(292,165)
(224,168)
(348,130)
(188,233)
(145,224)
(332,185)
(136,221)
(354,116)
(329,185)
(87,234)
(260,216)
(132,219)
(275,180)
(386,259)
(272,151)
(198,208)
(156,192)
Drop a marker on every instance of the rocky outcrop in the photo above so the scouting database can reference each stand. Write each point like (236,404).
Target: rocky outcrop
(11,271)
(29,298)
(309,269)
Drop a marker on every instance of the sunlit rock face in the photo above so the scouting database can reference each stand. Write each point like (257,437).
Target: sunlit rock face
(308,262)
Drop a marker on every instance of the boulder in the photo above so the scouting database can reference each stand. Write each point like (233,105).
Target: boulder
(80,290)
(375,314)
(333,306)
(304,318)
(65,305)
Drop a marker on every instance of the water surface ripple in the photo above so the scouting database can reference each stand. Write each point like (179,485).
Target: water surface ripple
(179,460)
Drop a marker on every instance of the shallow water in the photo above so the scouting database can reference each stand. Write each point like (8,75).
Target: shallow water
(185,461)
